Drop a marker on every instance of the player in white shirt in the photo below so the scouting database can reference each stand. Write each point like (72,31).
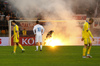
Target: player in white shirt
(38,31)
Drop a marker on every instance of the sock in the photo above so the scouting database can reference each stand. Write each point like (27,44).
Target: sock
(15,46)
(36,47)
(40,47)
(20,46)
(88,51)
(84,51)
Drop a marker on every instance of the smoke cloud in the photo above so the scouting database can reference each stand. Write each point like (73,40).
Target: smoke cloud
(54,10)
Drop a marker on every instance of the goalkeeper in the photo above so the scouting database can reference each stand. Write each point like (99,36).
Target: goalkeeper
(49,35)
(86,33)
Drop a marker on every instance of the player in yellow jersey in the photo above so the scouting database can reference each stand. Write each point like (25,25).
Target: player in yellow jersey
(24,32)
(86,34)
(15,37)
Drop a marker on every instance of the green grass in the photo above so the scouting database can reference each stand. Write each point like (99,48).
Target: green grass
(57,56)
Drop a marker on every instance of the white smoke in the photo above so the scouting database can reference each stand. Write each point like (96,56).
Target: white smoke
(52,10)
(30,8)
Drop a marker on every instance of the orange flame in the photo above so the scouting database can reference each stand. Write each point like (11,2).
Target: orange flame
(53,42)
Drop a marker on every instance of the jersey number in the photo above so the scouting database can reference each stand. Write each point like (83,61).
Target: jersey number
(39,29)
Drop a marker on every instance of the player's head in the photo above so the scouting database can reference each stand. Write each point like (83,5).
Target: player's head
(51,31)
(13,22)
(91,20)
(37,22)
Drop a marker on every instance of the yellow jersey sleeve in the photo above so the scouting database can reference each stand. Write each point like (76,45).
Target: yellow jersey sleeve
(90,33)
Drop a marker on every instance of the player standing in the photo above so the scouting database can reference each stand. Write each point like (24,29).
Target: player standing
(38,31)
(86,33)
(15,37)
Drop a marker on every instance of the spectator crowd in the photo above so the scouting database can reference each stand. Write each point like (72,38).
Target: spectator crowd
(8,12)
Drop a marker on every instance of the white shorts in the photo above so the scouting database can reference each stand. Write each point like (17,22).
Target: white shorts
(38,38)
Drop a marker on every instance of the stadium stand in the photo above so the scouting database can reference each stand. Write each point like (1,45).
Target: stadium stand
(8,12)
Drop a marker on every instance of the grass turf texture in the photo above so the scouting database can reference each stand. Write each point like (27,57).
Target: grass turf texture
(57,56)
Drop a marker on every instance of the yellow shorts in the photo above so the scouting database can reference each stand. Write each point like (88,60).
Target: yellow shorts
(87,41)
(15,39)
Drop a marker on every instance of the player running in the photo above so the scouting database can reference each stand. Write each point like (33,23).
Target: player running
(86,33)
(38,31)
(15,37)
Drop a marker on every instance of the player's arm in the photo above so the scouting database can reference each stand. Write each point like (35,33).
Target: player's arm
(17,34)
(88,30)
(17,31)
(42,31)
(34,30)
(90,34)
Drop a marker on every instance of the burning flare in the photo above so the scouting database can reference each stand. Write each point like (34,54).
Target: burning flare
(53,42)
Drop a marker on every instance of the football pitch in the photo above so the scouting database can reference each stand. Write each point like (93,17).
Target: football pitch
(50,56)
